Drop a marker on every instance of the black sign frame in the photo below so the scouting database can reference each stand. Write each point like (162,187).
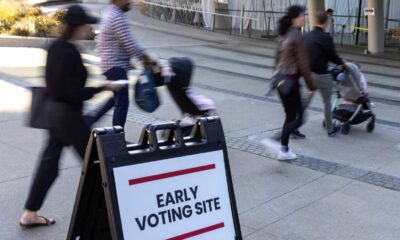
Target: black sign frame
(96,211)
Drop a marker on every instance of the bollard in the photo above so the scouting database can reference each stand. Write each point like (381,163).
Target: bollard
(249,28)
(341,40)
(230,26)
(241,19)
(213,23)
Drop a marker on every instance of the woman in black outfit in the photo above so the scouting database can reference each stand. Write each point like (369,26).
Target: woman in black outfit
(291,62)
(65,82)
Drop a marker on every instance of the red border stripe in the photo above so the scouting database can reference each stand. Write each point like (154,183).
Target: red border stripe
(198,232)
(171,174)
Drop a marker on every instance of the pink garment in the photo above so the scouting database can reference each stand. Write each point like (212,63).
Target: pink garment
(203,103)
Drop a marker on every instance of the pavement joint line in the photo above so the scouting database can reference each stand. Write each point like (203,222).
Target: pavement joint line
(177,34)
(17,148)
(29,176)
(374,178)
(255,130)
(283,194)
(276,101)
(330,168)
(251,228)
(14,179)
(18,82)
(341,52)
(337,169)
(376,99)
(373,84)
(9,120)
(244,75)
(223,58)
(15,80)
(301,208)
(224,42)
(170,46)
(385,86)
(257,78)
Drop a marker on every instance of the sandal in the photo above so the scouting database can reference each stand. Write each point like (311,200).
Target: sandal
(48,222)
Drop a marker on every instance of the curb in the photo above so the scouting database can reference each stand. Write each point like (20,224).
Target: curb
(40,3)
(17,41)
(34,42)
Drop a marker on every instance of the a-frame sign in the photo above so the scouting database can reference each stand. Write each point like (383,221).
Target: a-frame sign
(174,189)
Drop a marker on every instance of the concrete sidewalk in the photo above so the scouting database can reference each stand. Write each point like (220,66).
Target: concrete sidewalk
(341,188)
(321,200)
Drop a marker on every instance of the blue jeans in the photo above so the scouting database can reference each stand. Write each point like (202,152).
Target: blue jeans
(120,101)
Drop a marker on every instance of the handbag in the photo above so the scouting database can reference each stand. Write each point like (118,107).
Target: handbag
(146,96)
(46,113)
(38,117)
(281,83)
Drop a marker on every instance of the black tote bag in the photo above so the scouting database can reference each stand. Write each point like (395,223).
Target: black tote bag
(146,96)
(38,117)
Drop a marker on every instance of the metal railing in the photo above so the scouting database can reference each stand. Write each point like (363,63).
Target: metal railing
(190,13)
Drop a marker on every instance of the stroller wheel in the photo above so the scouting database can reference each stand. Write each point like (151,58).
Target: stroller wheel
(371,125)
(345,128)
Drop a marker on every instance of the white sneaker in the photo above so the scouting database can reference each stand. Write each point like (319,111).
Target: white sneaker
(286,156)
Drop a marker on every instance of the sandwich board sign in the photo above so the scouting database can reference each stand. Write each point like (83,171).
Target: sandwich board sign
(174,189)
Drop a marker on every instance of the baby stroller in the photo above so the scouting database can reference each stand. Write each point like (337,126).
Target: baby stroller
(176,75)
(352,105)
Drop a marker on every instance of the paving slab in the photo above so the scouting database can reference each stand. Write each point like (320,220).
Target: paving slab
(356,211)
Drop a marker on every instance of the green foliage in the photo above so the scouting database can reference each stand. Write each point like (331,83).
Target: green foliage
(45,26)
(59,15)
(23,27)
(19,18)
(9,12)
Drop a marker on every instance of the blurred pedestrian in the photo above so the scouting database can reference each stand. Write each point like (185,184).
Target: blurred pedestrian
(116,46)
(330,26)
(321,51)
(291,63)
(65,77)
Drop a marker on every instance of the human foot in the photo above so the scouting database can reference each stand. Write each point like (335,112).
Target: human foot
(31,219)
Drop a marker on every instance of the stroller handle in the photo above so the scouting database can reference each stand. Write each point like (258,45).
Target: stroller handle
(335,71)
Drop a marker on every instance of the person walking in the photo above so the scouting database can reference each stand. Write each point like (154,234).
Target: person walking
(321,51)
(65,77)
(291,63)
(330,26)
(115,47)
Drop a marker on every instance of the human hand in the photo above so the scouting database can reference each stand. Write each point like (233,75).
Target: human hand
(149,61)
(342,67)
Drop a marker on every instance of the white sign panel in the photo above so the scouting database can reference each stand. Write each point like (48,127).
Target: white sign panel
(175,199)
(369,11)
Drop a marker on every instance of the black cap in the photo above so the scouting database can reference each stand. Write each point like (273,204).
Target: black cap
(76,15)
(329,10)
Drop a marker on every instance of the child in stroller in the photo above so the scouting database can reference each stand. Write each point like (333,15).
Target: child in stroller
(176,75)
(355,106)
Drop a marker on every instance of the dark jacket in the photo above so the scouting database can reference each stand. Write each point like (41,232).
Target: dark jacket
(321,50)
(291,58)
(65,81)
(66,75)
